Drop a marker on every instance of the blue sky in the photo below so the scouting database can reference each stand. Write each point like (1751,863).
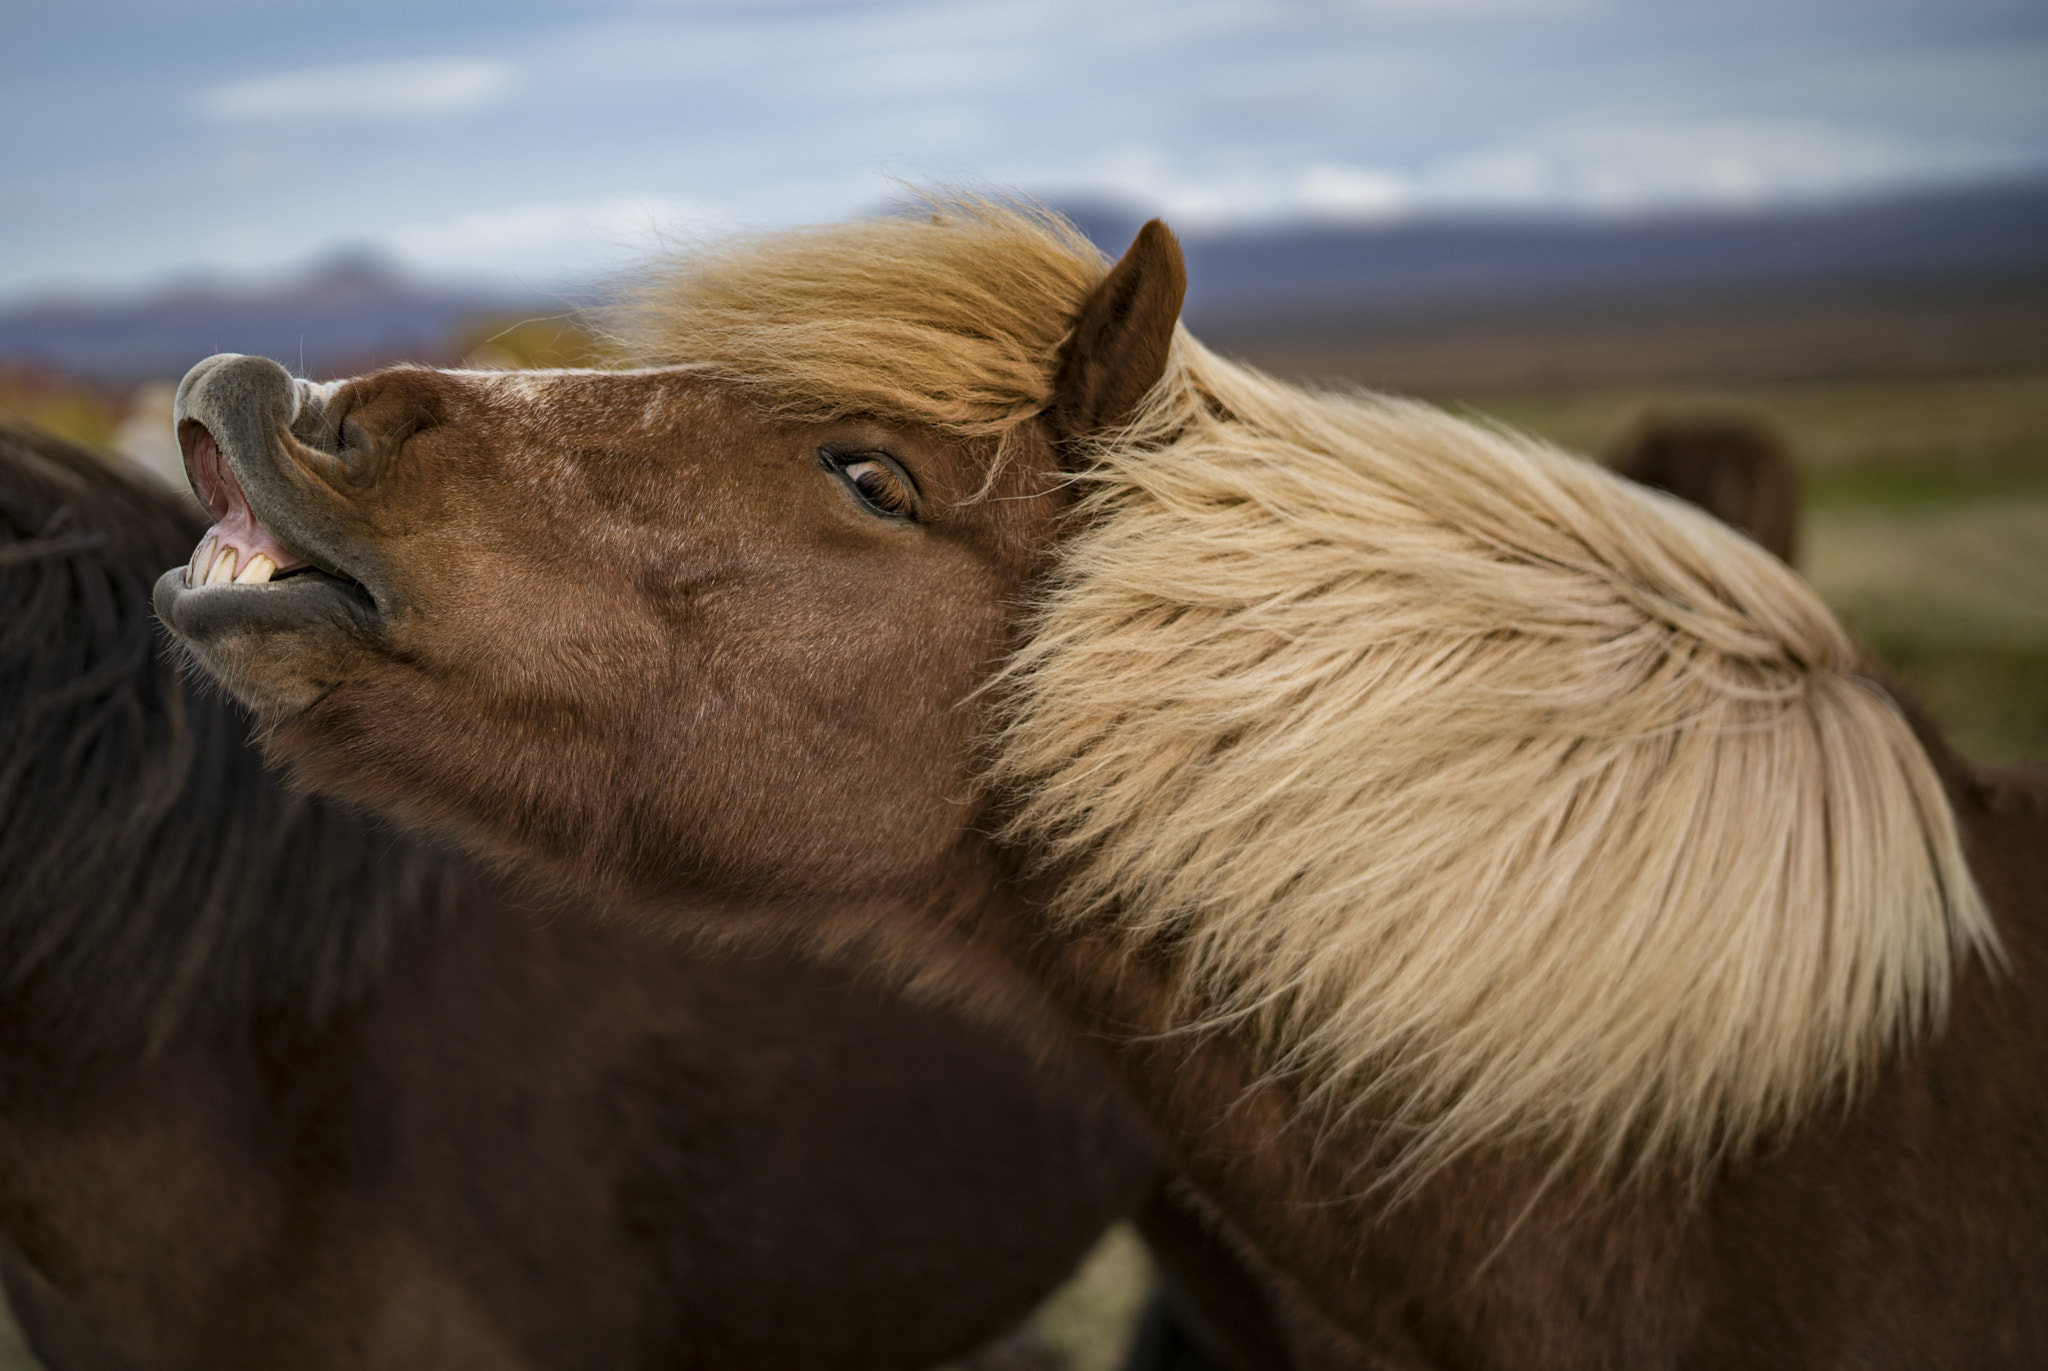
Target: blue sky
(545,142)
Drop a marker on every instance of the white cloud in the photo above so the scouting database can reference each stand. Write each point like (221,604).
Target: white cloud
(1609,166)
(426,85)
(1621,166)
(1333,191)
(1234,187)
(1458,10)
(1510,175)
(555,237)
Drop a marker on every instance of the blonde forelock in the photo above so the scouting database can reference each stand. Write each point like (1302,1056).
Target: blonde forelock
(950,315)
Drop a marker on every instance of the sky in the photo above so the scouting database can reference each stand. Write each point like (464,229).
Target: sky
(149,140)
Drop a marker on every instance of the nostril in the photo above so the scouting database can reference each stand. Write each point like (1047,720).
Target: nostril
(204,470)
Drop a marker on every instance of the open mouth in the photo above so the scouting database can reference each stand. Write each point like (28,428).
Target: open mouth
(256,573)
(238,549)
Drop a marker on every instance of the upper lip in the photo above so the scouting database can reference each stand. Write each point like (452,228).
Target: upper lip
(235,417)
(239,546)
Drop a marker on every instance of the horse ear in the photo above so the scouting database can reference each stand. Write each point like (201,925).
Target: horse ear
(1117,349)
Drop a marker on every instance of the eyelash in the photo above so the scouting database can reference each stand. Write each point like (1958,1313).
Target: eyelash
(882,488)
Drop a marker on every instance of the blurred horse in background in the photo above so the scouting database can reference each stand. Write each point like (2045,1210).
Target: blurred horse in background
(1735,466)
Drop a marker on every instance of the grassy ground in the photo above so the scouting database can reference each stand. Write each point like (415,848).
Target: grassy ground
(1926,524)
(1085,1325)
(14,1353)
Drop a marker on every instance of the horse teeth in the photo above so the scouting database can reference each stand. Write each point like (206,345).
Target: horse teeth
(257,572)
(223,567)
(202,558)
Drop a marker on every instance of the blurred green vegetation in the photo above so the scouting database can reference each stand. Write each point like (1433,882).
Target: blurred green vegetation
(14,1352)
(1926,523)
(518,343)
(85,413)
(1089,1321)
(1085,1325)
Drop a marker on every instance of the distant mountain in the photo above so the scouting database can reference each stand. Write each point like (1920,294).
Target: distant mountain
(1303,275)
(351,311)
(1382,283)
(1934,282)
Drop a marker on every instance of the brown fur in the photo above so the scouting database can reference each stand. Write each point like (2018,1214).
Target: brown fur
(282,1090)
(806,712)
(1731,465)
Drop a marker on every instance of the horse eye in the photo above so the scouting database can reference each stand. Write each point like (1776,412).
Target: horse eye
(881,485)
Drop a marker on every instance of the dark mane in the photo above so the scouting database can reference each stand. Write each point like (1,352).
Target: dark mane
(152,876)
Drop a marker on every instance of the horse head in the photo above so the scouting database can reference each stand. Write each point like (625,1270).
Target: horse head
(435,587)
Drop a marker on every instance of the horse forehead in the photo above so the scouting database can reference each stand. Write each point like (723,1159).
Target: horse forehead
(667,402)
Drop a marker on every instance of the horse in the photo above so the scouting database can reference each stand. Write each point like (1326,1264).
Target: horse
(1732,465)
(1537,937)
(283,1089)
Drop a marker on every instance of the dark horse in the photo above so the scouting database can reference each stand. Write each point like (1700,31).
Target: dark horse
(1732,465)
(281,1090)
(1539,941)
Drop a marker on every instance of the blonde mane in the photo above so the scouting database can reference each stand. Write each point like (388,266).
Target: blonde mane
(950,315)
(1493,798)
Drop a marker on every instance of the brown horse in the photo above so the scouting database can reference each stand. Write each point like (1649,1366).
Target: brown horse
(1732,465)
(1539,941)
(281,1090)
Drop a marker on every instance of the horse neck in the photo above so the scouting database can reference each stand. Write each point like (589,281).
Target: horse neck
(1300,1193)
(984,935)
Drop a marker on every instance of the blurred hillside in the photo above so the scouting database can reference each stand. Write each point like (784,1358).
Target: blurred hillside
(1934,283)
(347,314)
(1939,281)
